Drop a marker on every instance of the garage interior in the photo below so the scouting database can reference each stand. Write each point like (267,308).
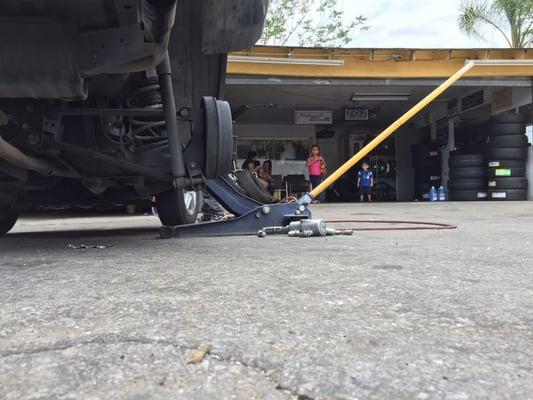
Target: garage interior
(285,100)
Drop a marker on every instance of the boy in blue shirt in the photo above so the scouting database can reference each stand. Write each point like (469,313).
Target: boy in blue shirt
(365,182)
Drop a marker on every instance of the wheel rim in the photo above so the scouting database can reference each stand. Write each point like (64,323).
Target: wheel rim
(190,199)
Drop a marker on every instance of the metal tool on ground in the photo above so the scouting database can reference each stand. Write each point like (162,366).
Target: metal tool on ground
(304,228)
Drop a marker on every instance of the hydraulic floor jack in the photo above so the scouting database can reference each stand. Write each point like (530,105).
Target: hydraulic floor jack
(250,215)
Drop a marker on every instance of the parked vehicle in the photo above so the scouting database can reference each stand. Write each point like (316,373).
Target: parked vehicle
(116,101)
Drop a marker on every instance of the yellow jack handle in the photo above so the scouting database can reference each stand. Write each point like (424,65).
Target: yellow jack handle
(389,131)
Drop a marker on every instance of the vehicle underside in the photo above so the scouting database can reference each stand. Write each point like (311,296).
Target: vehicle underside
(113,101)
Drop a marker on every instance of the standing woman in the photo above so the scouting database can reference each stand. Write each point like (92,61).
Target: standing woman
(317,168)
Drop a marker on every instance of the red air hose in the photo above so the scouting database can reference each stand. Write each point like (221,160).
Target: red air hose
(419,225)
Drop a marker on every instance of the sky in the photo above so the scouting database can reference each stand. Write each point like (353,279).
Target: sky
(413,24)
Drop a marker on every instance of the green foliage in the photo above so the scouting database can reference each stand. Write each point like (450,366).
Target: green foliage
(317,23)
(513,19)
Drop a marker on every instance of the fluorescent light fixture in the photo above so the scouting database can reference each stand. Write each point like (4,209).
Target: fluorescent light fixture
(380,96)
(284,60)
(501,63)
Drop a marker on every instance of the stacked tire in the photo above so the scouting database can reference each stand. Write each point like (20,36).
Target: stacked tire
(507,158)
(427,166)
(468,177)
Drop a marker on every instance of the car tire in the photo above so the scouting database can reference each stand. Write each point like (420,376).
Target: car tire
(508,117)
(468,172)
(507,183)
(466,160)
(508,194)
(507,154)
(496,142)
(506,129)
(467,184)
(518,172)
(8,219)
(468,195)
(250,183)
(178,206)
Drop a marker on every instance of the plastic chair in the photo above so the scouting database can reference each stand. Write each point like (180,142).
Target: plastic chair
(296,185)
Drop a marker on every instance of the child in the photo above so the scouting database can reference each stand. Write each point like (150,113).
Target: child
(317,167)
(365,182)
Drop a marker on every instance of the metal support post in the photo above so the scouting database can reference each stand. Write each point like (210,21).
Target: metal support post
(164,74)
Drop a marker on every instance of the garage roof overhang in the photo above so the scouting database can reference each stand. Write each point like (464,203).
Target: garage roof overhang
(267,84)
(326,66)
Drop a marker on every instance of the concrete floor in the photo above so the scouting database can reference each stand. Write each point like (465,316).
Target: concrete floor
(380,315)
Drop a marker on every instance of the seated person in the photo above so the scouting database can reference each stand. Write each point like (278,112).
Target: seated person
(249,162)
(256,169)
(265,174)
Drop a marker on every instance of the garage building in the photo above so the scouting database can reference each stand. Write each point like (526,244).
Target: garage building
(286,99)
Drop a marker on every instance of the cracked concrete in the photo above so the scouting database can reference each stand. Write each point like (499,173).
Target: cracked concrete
(380,315)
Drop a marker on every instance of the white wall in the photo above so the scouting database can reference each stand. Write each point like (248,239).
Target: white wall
(246,131)
(274,131)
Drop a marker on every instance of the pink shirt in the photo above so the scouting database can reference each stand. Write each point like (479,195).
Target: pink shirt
(314,168)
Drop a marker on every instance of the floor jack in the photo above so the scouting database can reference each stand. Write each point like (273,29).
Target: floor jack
(250,215)
(254,218)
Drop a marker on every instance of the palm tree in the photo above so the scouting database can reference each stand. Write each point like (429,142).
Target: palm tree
(512,18)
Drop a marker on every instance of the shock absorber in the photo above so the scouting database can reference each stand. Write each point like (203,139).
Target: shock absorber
(146,94)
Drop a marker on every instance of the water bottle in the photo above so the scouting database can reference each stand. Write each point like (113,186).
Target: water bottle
(442,193)
(433,195)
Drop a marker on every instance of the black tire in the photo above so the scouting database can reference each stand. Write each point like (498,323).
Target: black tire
(467,184)
(8,219)
(468,195)
(253,188)
(507,154)
(506,129)
(466,160)
(507,172)
(496,142)
(508,117)
(508,194)
(501,163)
(507,183)
(468,172)
(174,207)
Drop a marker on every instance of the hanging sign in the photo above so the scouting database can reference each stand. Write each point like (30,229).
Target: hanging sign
(356,114)
(313,117)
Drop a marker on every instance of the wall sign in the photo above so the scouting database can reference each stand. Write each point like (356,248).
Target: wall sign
(313,117)
(356,114)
